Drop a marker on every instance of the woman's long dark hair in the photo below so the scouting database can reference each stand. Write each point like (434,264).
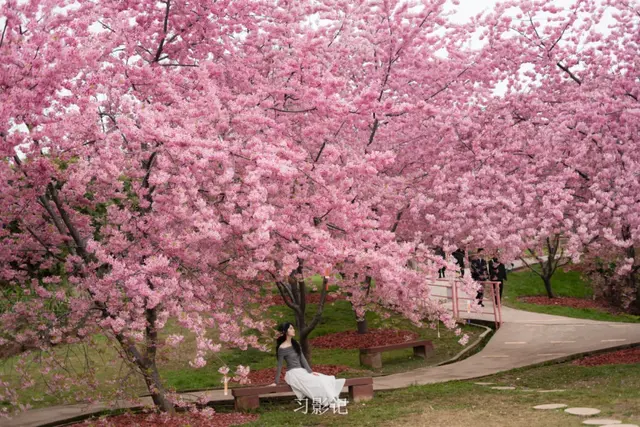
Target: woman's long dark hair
(283,328)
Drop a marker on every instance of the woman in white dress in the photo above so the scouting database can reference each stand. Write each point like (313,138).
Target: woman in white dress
(304,382)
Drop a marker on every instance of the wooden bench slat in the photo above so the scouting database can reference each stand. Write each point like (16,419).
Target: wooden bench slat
(249,391)
(408,344)
(248,398)
(283,388)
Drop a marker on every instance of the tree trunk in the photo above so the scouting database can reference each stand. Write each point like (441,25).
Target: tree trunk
(157,390)
(306,348)
(294,294)
(363,328)
(148,365)
(549,266)
(547,286)
(362,325)
(301,326)
(632,276)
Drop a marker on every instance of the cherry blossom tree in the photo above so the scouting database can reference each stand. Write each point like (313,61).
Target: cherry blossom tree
(169,162)
(571,108)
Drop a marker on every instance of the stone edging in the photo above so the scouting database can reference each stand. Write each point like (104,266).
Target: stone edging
(470,347)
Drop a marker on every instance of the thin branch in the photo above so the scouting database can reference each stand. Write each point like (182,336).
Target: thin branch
(530,267)
(164,29)
(294,241)
(324,143)
(80,243)
(536,31)
(4,30)
(335,227)
(337,33)
(376,123)
(148,164)
(59,258)
(398,217)
(179,65)
(292,303)
(292,111)
(286,288)
(559,38)
(445,87)
(566,70)
(105,26)
(318,315)
(579,172)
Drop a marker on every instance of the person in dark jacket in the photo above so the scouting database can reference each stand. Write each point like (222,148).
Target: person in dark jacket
(498,273)
(479,272)
(458,254)
(440,251)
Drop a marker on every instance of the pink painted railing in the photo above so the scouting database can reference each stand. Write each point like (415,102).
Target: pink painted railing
(491,289)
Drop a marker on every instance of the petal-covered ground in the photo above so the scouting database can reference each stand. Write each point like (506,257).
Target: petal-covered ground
(267,376)
(622,357)
(352,339)
(198,419)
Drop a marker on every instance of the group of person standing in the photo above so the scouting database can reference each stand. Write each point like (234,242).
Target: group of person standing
(481,271)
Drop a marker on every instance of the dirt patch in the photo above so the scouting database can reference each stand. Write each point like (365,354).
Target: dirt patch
(352,339)
(311,299)
(622,357)
(198,419)
(266,376)
(566,302)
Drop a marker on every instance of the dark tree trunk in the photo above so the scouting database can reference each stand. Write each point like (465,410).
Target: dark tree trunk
(146,362)
(306,347)
(150,370)
(363,328)
(154,384)
(632,276)
(294,294)
(301,326)
(361,324)
(547,267)
(547,286)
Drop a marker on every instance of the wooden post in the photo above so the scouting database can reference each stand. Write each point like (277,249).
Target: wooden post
(373,360)
(245,403)
(359,393)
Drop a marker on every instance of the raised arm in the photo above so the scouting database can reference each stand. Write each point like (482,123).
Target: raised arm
(304,362)
(280,359)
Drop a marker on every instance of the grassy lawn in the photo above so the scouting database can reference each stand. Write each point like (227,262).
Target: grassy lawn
(177,374)
(564,284)
(337,317)
(614,389)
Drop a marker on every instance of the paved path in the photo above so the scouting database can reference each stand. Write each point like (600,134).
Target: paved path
(525,338)
(533,339)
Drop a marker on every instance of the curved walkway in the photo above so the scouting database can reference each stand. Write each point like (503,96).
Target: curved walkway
(524,339)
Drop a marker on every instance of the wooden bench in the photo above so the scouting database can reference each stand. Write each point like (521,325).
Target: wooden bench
(372,356)
(246,398)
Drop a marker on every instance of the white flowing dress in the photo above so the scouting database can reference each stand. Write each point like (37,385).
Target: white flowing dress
(319,388)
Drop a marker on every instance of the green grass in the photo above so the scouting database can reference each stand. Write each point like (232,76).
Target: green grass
(613,389)
(179,375)
(564,284)
(337,317)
